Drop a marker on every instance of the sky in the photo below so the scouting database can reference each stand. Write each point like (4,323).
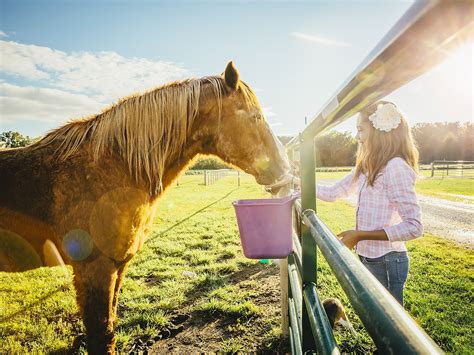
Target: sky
(61,60)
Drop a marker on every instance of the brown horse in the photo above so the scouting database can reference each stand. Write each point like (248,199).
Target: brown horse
(91,186)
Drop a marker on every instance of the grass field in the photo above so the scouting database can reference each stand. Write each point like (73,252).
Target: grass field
(190,288)
(446,188)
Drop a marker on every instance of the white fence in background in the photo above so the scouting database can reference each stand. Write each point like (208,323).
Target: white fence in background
(452,169)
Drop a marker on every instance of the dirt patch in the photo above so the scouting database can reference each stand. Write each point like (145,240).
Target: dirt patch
(203,332)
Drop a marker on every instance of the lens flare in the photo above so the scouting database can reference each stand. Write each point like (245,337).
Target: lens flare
(77,244)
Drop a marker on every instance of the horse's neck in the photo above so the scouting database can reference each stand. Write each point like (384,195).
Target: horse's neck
(177,163)
(173,164)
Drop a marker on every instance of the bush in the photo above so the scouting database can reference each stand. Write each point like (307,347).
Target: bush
(209,163)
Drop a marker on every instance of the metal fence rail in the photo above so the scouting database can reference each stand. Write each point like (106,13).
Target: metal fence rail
(421,39)
(389,325)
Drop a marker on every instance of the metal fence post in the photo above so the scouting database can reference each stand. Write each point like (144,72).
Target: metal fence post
(309,263)
(285,293)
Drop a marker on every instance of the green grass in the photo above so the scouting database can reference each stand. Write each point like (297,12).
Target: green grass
(37,311)
(229,300)
(440,292)
(192,264)
(441,188)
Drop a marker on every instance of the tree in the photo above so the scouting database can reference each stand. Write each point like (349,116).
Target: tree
(12,139)
(336,149)
(209,163)
(444,140)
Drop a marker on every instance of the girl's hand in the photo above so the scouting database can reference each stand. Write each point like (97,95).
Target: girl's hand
(349,238)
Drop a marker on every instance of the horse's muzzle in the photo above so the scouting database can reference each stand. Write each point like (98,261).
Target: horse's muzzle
(283,181)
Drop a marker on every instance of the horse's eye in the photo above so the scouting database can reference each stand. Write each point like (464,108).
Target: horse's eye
(208,142)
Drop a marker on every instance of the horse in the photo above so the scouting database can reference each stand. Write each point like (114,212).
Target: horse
(89,189)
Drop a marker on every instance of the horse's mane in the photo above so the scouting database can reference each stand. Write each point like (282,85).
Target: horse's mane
(144,129)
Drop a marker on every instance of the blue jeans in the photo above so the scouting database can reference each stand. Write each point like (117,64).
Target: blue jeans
(391,270)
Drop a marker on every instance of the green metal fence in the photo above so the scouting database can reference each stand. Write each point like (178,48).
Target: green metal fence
(420,40)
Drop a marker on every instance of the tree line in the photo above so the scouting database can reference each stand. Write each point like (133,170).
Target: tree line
(435,141)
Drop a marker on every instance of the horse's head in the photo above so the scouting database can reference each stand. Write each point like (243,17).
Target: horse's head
(240,135)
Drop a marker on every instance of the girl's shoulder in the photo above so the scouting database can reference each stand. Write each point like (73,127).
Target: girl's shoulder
(397,162)
(398,165)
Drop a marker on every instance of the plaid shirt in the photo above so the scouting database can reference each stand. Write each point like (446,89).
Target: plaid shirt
(390,204)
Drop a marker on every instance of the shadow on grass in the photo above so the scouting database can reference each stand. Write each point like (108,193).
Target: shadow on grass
(162,233)
(190,216)
(78,346)
(215,281)
(50,294)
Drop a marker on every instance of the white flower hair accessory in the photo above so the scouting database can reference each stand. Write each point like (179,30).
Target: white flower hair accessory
(386,117)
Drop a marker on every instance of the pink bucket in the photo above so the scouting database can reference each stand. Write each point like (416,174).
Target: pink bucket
(265,227)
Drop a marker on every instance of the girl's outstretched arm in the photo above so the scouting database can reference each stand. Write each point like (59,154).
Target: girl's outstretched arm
(340,189)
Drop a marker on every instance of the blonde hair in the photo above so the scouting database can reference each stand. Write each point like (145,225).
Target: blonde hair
(144,129)
(380,146)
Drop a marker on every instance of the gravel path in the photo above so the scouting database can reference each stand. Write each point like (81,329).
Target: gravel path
(453,220)
(444,218)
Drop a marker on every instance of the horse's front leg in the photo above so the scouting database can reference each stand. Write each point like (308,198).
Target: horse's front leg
(95,285)
(118,284)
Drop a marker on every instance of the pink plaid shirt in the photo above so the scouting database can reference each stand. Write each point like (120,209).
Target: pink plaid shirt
(390,204)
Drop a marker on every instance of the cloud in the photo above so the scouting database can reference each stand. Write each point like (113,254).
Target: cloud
(41,104)
(318,39)
(70,85)
(106,74)
(19,60)
(3,34)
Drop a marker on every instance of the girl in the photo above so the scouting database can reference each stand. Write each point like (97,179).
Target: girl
(388,213)
(384,177)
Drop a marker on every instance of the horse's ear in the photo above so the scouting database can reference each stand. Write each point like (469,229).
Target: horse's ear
(231,76)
